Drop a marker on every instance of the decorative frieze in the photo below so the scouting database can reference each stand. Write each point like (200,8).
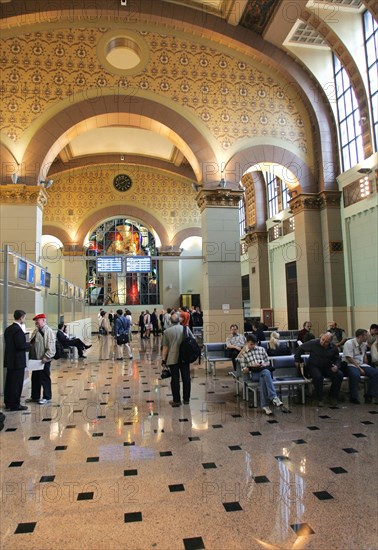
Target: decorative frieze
(30,195)
(318,201)
(218,198)
(256,237)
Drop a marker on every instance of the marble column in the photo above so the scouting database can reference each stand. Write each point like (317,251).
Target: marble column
(222,295)
(258,259)
(320,263)
(169,276)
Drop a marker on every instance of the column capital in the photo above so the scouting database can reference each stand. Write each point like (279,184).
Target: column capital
(315,201)
(218,198)
(256,237)
(30,195)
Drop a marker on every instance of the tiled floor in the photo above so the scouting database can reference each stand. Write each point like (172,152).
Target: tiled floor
(110,465)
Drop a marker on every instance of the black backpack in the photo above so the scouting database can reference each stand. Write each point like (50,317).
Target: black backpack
(189,349)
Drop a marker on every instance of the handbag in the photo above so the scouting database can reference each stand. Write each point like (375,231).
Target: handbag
(102,331)
(165,373)
(122,339)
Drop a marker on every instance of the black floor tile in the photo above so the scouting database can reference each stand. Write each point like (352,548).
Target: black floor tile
(323,495)
(217,426)
(47,479)
(85,496)
(16,464)
(34,438)
(194,438)
(272,422)
(232,506)
(194,543)
(366,422)
(128,443)
(313,428)
(255,433)
(236,415)
(11,429)
(299,441)
(338,470)
(350,450)
(302,529)
(176,488)
(97,434)
(23,528)
(324,416)
(261,479)
(46,419)
(235,448)
(93,459)
(70,426)
(165,453)
(130,472)
(133,516)
(208,465)
(61,447)
(183,420)
(359,435)
(282,458)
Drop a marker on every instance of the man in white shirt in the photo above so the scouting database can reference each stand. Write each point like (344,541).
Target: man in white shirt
(354,353)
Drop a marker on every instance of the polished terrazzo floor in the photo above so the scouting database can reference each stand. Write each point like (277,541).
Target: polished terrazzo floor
(110,465)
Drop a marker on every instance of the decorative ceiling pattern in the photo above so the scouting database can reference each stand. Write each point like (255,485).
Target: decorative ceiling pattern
(233,98)
(78,193)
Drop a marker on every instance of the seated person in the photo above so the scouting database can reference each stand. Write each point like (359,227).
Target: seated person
(374,354)
(275,347)
(258,331)
(372,335)
(337,334)
(305,334)
(354,353)
(234,344)
(251,360)
(324,362)
(247,324)
(66,341)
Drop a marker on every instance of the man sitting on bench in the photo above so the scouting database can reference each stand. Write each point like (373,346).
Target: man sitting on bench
(234,344)
(68,342)
(254,360)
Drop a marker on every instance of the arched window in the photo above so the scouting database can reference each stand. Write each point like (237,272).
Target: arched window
(119,237)
(371,47)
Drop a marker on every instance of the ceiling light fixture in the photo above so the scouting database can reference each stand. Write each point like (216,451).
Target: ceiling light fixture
(46,184)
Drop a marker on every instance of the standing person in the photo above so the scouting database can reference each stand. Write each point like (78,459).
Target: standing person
(234,344)
(147,324)
(167,318)
(161,319)
(324,362)
(354,353)
(42,344)
(172,338)
(252,359)
(141,324)
(130,318)
(155,322)
(15,350)
(121,327)
(104,330)
(197,317)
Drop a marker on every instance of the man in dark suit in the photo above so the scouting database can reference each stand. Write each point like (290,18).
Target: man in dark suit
(15,362)
(66,341)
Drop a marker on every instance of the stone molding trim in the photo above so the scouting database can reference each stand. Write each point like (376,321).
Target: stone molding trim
(218,198)
(28,195)
(319,201)
(256,237)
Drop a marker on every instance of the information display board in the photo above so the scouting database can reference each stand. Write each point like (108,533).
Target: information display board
(109,264)
(22,267)
(31,274)
(138,264)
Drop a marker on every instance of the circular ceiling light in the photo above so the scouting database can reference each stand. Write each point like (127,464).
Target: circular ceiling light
(123,53)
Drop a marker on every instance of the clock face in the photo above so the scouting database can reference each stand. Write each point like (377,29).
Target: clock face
(122,182)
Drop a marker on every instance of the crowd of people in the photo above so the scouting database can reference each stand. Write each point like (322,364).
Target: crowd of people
(331,355)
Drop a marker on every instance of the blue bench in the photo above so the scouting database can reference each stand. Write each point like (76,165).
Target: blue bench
(213,353)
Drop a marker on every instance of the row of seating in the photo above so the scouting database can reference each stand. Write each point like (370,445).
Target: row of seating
(285,373)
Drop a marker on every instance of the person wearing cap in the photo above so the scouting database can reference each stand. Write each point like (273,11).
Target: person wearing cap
(42,347)
(15,362)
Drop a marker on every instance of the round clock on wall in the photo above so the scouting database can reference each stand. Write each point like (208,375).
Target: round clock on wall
(122,182)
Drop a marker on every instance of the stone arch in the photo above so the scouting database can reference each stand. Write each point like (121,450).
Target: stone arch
(119,210)
(184,234)
(57,232)
(38,149)
(238,165)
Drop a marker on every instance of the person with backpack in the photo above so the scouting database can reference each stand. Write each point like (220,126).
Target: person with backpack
(121,332)
(15,350)
(173,337)
(42,346)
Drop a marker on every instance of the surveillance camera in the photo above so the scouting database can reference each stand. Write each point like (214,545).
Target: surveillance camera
(123,2)
(122,157)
